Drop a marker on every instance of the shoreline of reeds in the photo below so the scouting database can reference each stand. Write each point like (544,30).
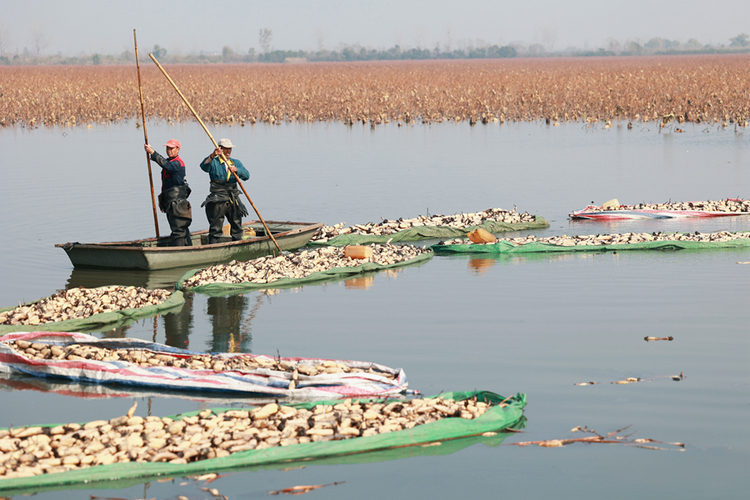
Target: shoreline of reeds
(684,89)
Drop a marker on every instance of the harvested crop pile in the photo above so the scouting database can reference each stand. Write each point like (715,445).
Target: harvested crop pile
(729,205)
(298,265)
(147,358)
(31,451)
(615,239)
(394,226)
(79,303)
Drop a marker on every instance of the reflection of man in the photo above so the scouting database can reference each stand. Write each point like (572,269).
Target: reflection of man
(229,334)
(178,325)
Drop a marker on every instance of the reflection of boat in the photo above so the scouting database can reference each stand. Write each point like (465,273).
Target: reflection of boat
(154,253)
(95,278)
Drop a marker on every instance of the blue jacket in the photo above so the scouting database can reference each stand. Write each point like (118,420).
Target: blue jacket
(172,170)
(217,172)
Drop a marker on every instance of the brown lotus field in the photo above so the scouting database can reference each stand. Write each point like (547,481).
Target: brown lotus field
(699,89)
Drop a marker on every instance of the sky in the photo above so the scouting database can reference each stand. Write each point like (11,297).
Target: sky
(190,27)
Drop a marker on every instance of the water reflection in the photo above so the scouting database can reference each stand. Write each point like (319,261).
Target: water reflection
(479,266)
(178,326)
(359,283)
(151,326)
(85,390)
(231,323)
(94,278)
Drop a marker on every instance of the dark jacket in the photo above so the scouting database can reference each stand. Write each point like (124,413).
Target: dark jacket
(172,170)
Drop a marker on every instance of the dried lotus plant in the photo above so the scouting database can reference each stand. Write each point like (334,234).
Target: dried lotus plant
(668,91)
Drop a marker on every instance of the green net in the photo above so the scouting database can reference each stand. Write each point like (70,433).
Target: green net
(337,273)
(102,321)
(431,449)
(428,232)
(504,247)
(118,475)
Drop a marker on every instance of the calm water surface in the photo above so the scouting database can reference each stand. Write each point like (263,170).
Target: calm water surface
(534,325)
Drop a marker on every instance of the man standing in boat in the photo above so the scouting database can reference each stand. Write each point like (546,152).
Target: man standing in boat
(224,198)
(174,193)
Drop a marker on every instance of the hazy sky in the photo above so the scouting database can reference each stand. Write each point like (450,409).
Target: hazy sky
(189,26)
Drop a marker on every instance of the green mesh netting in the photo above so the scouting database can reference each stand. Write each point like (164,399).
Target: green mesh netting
(503,247)
(428,232)
(336,273)
(119,475)
(102,321)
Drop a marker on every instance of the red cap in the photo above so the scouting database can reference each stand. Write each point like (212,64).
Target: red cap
(173,143)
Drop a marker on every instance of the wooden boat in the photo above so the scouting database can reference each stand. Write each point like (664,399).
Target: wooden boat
(154,253)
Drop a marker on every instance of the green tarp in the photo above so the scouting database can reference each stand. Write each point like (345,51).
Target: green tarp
(432,449)
(503,247)
(495,419)
(427,233)
(336,273)
(103,321)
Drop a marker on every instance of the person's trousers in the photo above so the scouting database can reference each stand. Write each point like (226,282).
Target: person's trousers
(180,227)
(215,213)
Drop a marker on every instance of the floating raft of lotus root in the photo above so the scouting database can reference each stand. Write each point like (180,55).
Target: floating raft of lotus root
(88,309)
(600,243)
(669,210)
(494,220)
(214,440)
(307,266)
(133,362)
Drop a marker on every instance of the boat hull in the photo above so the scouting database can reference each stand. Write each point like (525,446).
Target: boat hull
(154,253)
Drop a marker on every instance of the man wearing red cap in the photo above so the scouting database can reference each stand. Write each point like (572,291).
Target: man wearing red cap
(174,193)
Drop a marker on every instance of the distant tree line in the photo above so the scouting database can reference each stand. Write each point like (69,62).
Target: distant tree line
(654,46)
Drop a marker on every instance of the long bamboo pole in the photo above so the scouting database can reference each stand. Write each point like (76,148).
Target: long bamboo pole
(216,146)
(145,136)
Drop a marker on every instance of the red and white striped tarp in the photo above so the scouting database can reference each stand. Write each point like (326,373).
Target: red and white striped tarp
(627,212)
(258,382)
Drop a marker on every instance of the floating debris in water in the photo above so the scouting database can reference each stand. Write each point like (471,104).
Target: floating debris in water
(611,438)
(299,490)
(632,380)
